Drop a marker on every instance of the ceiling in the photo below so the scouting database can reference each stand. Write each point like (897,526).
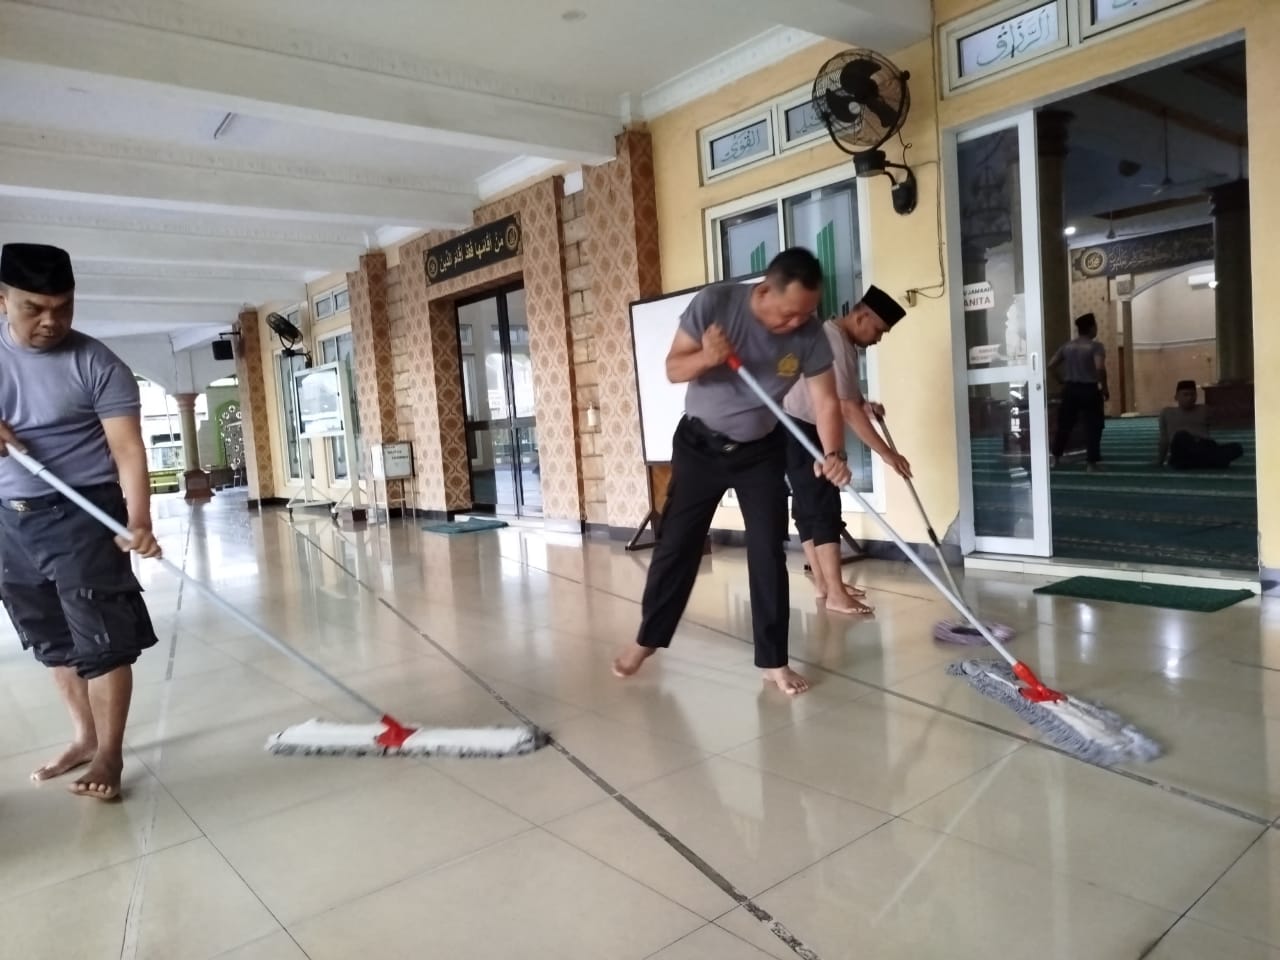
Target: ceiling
(195,159)
(1116,166)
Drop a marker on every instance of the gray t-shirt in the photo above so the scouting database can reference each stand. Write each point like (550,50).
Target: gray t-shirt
(55,400)
(720,398)
(1078,363)
(799,402)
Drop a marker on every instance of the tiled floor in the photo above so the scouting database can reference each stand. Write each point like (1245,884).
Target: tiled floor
(868,822)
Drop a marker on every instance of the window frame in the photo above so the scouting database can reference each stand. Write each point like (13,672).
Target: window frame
(762,113)
(778,195)
(328,300)
(332,444)
(955,32)
(787,103)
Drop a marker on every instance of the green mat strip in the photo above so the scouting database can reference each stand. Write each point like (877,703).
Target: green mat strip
(451,527)
(1197,599)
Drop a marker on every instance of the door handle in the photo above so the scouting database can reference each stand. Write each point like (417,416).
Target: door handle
(1033,359)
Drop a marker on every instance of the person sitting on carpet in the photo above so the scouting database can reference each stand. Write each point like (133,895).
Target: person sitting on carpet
(1184,435)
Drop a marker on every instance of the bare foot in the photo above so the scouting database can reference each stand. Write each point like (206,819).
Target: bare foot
(76,755)
(102,782)
(854,591)
(626,664)
(788,681)
(850,605)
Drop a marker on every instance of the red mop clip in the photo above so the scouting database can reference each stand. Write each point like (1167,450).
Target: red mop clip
(1035,691)
(733,362)
(395,735)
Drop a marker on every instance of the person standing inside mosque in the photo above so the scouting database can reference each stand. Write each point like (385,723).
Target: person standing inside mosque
(1082,366)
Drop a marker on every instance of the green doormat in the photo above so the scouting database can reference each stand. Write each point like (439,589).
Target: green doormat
(1199,599)
(462,526)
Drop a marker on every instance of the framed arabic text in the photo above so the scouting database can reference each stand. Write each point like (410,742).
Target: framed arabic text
(1010,36)
(481,247)
(1099,15)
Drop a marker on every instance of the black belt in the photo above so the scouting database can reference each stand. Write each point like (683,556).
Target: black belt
(717,442)
(45,501)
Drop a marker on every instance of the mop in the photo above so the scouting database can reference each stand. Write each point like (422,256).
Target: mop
(948,631)
(1076,727)
(386,737)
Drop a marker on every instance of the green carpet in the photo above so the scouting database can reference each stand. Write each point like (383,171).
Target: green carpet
(1198,599)
(1131,511)
(473,525)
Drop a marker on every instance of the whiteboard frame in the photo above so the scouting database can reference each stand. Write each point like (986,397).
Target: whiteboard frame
(631,323)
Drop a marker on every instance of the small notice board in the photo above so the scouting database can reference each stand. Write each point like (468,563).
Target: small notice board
(392,461)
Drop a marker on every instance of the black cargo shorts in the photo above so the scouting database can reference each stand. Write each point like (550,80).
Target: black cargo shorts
(69,590)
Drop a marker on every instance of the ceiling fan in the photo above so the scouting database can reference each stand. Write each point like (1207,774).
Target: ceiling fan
(1168,183)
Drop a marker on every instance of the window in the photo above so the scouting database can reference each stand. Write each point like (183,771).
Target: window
(798,121)
(333,301)
(737,142)
(1099,15)
(286,367)
(822,214)
(341,348)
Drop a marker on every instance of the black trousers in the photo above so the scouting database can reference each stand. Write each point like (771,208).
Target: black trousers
(815,501)
(1081,402)
(1189,452)
(702,470)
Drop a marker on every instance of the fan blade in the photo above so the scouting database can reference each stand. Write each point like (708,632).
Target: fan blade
(887,115)
(856,76)
(840,107)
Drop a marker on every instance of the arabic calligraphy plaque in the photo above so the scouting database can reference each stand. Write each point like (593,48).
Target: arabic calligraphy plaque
(481,247)
(1160,251)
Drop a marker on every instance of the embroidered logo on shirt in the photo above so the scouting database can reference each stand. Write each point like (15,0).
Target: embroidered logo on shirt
(789,365)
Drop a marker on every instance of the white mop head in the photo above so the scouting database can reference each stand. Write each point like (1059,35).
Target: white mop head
(360,739)
(1086,730)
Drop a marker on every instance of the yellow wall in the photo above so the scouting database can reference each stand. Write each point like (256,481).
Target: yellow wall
(1166,37)
(915,368)
(916,372)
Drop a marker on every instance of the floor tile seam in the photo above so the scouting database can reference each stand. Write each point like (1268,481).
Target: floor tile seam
(619,796)
(799,783)
(621,871)
(136,902)
(262,939)
(1016,855)
(416,874)
(1185,914)
(101,868)
(878,688)
(771,888)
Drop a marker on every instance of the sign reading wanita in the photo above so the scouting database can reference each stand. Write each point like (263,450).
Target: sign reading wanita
(979,296)
(481,247)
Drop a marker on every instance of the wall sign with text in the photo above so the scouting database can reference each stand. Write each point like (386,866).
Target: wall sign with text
(481,247)
(1010,34)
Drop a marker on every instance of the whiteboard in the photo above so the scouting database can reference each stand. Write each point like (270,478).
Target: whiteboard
(653,326)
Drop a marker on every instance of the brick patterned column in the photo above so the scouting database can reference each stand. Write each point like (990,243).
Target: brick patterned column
(434,379)
(374,364)
(622,248)
(254,400)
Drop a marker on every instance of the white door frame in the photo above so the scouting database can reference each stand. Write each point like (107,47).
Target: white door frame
(1032,372)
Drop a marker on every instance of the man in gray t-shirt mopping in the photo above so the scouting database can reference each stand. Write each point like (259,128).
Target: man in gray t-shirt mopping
(728,438)
(67,583)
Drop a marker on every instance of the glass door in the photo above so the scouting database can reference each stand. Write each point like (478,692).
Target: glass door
(497,386)
(998,338)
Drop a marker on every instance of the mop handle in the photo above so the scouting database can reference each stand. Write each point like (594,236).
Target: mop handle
(884,428)
(773,407)
(39,470)
(933,536)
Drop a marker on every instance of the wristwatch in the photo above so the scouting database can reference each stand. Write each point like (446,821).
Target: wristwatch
(839,455)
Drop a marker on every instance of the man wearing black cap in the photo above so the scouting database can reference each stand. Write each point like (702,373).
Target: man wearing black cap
(67,583)
(815,504)
(729,439)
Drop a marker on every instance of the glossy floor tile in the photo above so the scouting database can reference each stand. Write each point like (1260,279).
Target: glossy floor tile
(890,813)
